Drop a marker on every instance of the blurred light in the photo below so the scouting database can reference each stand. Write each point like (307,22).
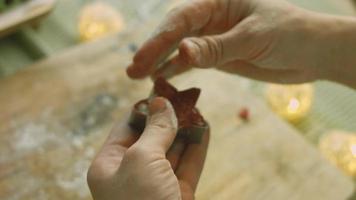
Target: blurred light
(340,148)
(98,20)
(292,102)
(353,150)
(293,105)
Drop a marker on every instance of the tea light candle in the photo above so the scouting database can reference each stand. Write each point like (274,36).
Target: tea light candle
(339,147)
(292,102)
(97,20)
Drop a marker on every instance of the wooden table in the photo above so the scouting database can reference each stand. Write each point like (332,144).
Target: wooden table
(55,115)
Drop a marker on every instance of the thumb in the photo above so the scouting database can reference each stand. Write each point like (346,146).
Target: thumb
(161,126)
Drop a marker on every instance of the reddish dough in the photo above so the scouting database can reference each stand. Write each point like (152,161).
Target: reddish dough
(164,89)
(183,102)
(191,125)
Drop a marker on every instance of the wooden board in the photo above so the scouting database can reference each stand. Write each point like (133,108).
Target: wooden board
(55,115)
(26,13)
(262,159)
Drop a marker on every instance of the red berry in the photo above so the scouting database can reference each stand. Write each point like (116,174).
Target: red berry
(244,114)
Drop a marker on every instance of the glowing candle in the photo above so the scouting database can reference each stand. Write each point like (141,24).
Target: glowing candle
(339,147)
(292,102)
(97,20)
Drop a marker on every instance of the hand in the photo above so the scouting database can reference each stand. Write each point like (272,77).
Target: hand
(269,40)
(137,167)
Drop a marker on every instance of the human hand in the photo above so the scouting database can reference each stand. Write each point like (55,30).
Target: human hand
(269,40)
(148,167)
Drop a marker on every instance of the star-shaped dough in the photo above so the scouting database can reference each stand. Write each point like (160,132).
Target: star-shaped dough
(191,125)
(183,102)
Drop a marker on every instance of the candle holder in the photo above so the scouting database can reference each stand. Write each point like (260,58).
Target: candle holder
(292,102)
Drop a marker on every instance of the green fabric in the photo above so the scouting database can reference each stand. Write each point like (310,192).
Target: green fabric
(8,4)
(58,32)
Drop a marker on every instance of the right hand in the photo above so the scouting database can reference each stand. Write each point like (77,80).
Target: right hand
(268,40)
(148,166)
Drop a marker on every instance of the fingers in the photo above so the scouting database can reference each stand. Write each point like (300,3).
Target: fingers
(110,156)
(191,163)
(269,75)
(120,138)
(111,153)
(175,152)
(176,66)
(215,50)
(161,127)
(202,52)
(247,40)
(171,68)
(122,135)
(181,22)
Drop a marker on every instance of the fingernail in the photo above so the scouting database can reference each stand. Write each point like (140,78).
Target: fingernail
(157,105)
(135,71)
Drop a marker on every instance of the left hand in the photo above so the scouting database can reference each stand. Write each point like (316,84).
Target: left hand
(136,167)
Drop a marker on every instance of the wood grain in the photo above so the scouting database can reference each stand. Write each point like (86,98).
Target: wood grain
(264,158)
